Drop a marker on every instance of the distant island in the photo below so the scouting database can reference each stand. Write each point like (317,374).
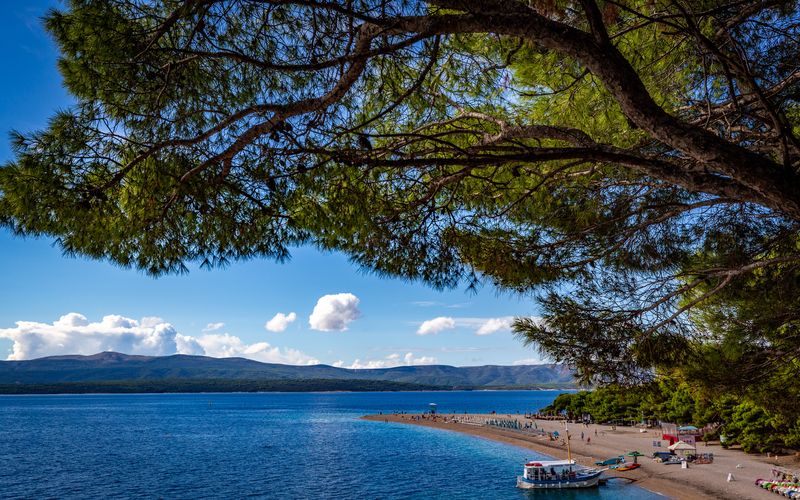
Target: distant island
(214,385)
(112,372)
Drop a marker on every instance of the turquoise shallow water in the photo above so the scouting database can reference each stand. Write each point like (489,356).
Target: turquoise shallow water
(271,445)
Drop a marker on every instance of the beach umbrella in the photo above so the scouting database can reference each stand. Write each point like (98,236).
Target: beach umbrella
(635,454)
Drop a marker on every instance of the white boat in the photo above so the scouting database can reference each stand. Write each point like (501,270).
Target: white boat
(557,474)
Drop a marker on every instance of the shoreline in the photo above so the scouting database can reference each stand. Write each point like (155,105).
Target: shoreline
(706,481)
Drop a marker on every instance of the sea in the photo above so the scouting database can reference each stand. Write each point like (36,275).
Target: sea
(263,445)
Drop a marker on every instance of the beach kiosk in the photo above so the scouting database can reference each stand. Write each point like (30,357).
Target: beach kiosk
(432,408)
(683,448)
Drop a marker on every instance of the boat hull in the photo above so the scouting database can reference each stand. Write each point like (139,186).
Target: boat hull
(583,482)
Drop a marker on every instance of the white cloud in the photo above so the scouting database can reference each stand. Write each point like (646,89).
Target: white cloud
(481,326)
(389,361)
(370,364)
(73,333)
(436,325)
(422,360)
(280,321)
(493,325)
(213,327)
(334,312)
(149,321)
(528,361)
(188,345)
(229,346)
(73,319)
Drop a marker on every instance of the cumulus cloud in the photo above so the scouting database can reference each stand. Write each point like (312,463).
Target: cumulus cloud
(73,333)
(436,325)
(481,326)
(280,321)
(213,327)
(390,361)
(184,344)
(493,325)
(334,312)
(149,321)
(229,346)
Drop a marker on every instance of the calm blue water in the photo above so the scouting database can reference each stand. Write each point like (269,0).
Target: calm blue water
(295,445)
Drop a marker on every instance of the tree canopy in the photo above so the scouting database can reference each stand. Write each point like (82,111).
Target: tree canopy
(634,164)
(741,421)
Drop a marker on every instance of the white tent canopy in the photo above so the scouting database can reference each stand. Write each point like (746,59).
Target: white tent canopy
(682,446)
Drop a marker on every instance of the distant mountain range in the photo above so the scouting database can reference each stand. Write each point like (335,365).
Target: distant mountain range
(112,366)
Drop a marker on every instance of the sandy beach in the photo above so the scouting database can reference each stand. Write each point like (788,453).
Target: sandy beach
(699,481)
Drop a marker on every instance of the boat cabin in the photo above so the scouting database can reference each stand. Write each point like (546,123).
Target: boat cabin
(553,470)
(557,474)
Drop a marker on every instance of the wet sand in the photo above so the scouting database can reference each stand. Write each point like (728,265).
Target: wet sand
(699,481)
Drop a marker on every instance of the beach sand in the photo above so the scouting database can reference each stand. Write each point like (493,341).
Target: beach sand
(699,481)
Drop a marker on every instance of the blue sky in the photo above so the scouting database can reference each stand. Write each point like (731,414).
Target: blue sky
(360,320)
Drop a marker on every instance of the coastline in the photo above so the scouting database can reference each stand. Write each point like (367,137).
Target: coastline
(707,481)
